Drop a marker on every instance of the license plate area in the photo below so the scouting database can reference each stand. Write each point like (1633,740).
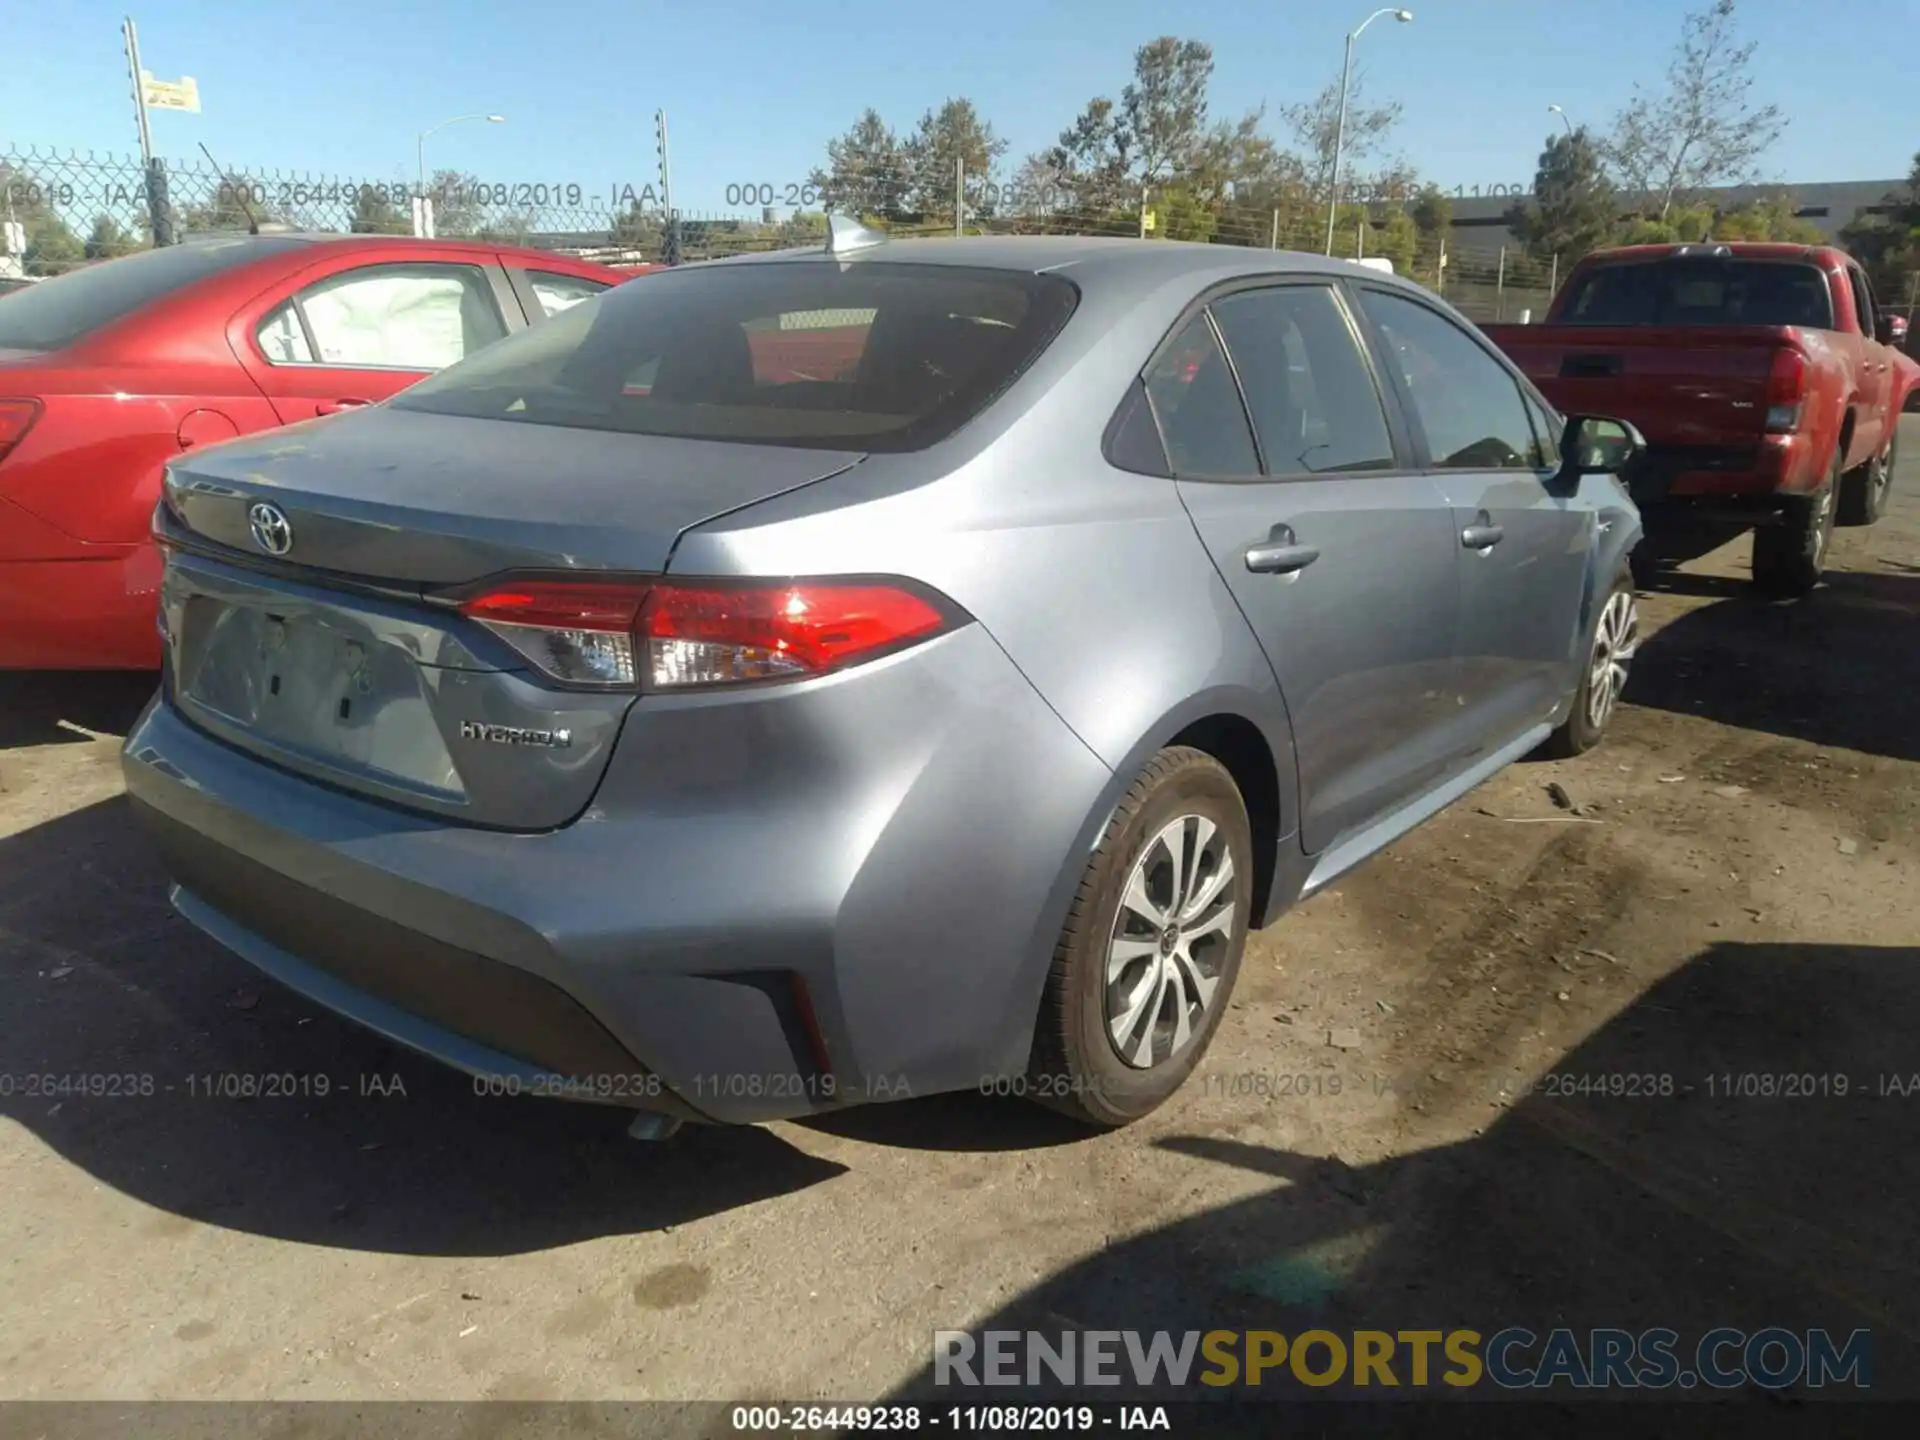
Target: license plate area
(317,687)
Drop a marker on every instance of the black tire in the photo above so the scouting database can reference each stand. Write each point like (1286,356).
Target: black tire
(1586,723)
(1863,498)
(1076,1066)
(1789,557)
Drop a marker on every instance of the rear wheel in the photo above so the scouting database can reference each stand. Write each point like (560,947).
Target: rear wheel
(1863,499)
(1151,947)
(1616,640)
(1789,557)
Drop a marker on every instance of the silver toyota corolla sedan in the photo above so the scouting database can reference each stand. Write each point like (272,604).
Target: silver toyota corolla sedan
(783,683)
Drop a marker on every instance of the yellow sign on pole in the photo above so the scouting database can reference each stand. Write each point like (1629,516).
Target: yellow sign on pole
(181,94)
(1146,222)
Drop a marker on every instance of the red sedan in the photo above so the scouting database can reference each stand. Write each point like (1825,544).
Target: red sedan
(108,372)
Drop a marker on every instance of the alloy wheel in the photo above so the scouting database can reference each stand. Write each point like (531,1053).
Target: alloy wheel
(1170,941)
(1616,639)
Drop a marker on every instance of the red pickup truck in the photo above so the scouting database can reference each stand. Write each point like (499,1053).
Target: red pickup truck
(1765,378)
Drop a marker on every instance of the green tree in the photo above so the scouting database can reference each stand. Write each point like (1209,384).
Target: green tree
(1573,208)
(233,202)
(108,239)
(1365,168)
(1701,127)
(1889,245)
(866,172)
(1157,134)
(374,213)
(1680,225)
(954,135)
(1771,217)
(51,244)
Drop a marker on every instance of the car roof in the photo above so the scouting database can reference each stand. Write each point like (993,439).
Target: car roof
(1101,260)
(269,241)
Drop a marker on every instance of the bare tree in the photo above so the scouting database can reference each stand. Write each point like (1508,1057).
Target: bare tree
(1701,127)
(1316,122)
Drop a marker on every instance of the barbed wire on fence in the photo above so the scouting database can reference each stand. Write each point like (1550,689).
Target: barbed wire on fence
(78,206)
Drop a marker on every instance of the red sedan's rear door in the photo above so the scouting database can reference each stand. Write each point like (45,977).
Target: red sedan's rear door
(362,326)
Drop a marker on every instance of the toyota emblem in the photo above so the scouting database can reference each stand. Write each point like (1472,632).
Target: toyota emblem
(271,532)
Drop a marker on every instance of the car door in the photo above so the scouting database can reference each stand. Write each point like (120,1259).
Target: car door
(355,334)
(1523,544)
(1339,557)
(1874,416)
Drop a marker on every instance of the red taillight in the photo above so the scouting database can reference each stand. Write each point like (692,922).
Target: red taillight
(670,635)
(577,631)
(1786,391)
(16,418)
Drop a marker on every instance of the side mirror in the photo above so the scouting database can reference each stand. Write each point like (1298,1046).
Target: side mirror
(1596,445)
(1892,330)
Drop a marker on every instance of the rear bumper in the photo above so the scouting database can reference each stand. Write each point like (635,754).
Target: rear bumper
(818,896)
(1699,478)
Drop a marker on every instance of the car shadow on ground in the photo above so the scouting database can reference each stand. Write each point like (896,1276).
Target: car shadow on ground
(1739,1147)
(1840,667)
(34,704)
(104,990)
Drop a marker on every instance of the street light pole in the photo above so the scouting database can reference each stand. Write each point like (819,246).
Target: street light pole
(420,149)
(1563,119)
(1340,126)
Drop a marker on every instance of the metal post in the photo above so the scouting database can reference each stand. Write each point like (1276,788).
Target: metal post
(1500,288)
(1360,238)
(1553,277)
(1339,144)
(132,38)
(670,237)
(1274,244)
(1440,270)
(1143,212)
(959,195)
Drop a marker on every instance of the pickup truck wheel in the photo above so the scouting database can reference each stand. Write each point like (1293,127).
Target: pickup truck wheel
(1788,557)
(1610,652)
(1863,499)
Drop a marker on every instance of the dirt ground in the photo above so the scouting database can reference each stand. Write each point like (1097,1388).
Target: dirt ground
(1738,894)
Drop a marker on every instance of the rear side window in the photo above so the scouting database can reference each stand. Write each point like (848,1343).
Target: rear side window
(1314,403)
(869,355)
(61,311)
(1198,406)
(386,317)
(1701,292)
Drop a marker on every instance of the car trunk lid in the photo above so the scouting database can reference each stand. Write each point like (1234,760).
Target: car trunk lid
(431,500)
(341,659)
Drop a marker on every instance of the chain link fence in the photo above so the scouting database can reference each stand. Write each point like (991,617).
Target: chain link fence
(71,208)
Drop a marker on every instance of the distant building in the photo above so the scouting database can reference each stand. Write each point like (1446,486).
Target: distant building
(1479,221)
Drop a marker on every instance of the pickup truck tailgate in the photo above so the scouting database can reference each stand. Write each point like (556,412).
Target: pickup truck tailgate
(1701,388)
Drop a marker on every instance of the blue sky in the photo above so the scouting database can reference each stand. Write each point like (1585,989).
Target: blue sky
(754,89)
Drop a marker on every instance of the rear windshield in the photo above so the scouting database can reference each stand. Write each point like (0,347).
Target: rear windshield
(868,355)
(55,313)
(1701,292)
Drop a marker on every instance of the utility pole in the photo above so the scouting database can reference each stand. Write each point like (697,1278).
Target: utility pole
(670,245)
(959,195)
(1143,212)
(1274,243)
(159,217)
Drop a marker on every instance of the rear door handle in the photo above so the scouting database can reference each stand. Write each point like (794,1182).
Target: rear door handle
(1483,534)
(1283,554)
(334,407)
